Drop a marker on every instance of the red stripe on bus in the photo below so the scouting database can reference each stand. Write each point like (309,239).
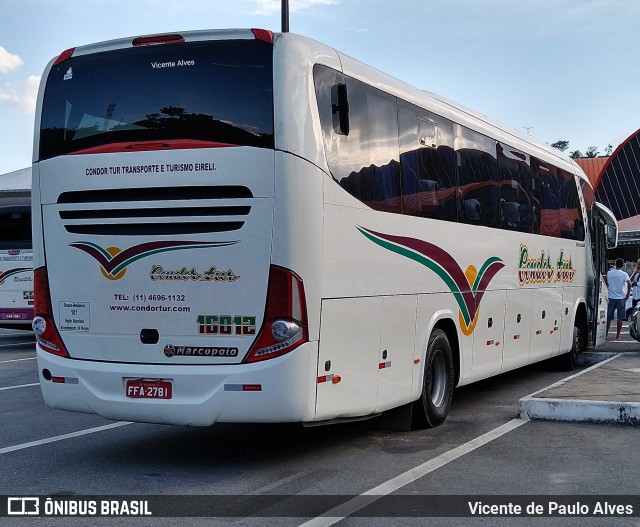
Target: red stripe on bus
(138,146)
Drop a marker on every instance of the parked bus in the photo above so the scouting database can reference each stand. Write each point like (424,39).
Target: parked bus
(16,252)
(241,226)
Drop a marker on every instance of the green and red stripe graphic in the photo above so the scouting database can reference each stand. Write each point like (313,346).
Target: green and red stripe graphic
(10,272)
(113,261)
(468,286)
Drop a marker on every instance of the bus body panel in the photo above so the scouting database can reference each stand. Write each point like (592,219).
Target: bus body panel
(491,348)
(488,336)
(545,325)
(205,299)
(517,329)
(397,354)
(293,60)
(367,355)
(277,390)
(348,357)
(297,227)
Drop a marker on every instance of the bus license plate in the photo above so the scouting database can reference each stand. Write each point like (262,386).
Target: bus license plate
(142,389)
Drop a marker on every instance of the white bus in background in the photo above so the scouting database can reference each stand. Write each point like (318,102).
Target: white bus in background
(240,226)
(16,252)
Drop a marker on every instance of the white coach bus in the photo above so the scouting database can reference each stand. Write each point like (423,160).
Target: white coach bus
(16,253)
(241,226)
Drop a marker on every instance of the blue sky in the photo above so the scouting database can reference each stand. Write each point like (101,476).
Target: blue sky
(565,69)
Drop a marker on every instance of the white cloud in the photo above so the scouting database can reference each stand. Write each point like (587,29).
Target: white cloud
(268,7)
(8,61)
(21,94)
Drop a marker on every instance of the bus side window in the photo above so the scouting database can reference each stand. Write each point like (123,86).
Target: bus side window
(571,220)
(546,198)
(15,228)
(477,174)
(516,207)
(360,138)
(426,164)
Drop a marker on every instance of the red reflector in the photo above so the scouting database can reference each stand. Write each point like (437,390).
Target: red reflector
(264,35)
(64,56)
(157,39)
(57,379)
(252,387)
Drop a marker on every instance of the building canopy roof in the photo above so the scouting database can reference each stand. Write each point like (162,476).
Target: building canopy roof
(19,180)
(618,184)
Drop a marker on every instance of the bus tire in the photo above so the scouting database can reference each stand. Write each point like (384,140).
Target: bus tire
(432,408)
(570,360)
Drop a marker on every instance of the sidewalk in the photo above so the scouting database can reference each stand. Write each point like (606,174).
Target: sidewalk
(607,391)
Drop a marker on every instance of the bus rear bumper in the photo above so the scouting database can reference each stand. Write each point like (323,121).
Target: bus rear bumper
(275,390)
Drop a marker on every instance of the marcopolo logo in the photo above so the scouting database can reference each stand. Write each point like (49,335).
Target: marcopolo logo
(194,351)
(114,261)
(467,286)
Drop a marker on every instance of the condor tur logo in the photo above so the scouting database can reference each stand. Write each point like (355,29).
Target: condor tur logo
(6,274)
(467,286)
(114,261)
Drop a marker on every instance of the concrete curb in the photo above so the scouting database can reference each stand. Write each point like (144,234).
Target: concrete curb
(535,407)
(577,410)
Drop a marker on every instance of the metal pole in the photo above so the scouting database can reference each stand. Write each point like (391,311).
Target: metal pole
(285,16)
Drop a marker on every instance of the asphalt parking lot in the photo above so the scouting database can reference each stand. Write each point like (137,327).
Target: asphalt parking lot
(290,476)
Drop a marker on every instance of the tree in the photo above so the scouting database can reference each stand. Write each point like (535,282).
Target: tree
(608,150)
(591,152)
(561,145)
(576,154)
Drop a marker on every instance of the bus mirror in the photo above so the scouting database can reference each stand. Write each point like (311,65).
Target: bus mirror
(610,224)
(612,236)
(340,109)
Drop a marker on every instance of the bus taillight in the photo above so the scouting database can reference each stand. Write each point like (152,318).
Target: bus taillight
(285,323)
(157,39)
(263,34)
(43,324)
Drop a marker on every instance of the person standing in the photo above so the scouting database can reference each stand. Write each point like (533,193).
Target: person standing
(635,291)
(619,290)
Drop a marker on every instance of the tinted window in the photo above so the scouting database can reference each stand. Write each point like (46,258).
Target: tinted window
(363,161)
(216,91)
(426,164)
(571,220)
(546,198)
(516,207)
(477,170)
(15,228)
(398,157)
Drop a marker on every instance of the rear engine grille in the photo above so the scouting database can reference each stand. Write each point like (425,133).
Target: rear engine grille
(155,204)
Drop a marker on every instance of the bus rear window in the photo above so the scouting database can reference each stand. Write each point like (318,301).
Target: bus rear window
(15,229)
(210,91)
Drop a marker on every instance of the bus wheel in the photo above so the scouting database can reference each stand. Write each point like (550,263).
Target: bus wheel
(432,408)
(570,360)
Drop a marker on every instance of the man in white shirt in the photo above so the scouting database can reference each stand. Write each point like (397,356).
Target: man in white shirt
(619,290)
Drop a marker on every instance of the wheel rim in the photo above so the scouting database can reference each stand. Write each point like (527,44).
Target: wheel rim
(438,378)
